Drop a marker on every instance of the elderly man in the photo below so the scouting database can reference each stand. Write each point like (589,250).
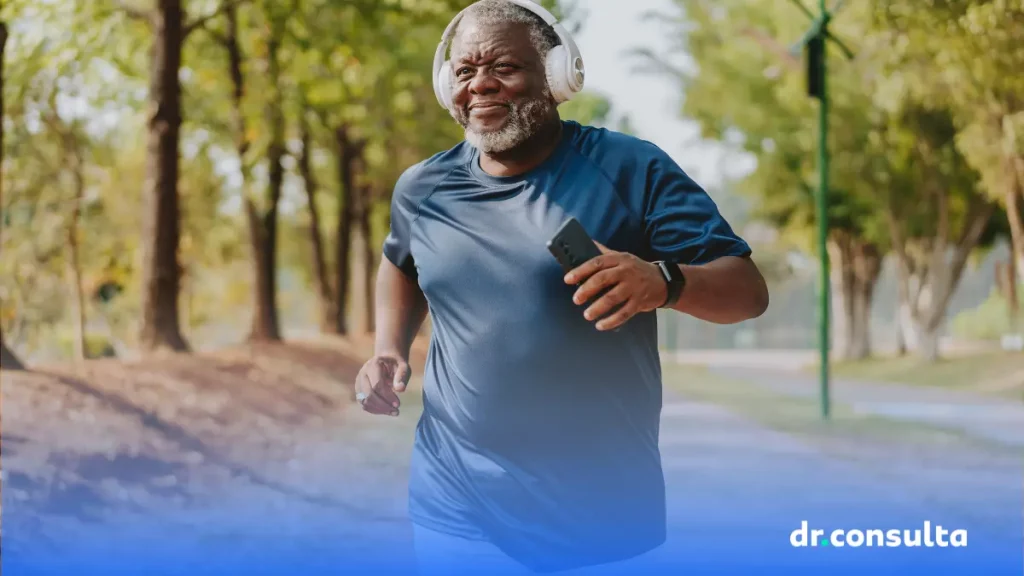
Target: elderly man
(537,449)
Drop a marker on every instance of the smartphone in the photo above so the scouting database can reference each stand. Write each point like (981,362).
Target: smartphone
(572,246)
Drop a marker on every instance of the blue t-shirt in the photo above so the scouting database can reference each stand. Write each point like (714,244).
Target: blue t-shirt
(539,433)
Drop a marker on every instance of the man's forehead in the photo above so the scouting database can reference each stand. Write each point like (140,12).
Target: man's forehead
(474,37)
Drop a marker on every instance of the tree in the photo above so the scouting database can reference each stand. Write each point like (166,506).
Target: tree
(161,218)
(937,216)
(978,46)
(7,358)
(370,99)
(747,91)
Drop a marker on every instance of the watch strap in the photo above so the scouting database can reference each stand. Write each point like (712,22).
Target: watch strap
(675,281)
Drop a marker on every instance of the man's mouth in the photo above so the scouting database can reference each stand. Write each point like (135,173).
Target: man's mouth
(487,105)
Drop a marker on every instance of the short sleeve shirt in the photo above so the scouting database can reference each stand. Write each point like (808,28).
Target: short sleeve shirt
(540,433)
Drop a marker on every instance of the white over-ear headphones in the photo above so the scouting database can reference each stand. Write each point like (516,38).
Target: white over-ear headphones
(563,63)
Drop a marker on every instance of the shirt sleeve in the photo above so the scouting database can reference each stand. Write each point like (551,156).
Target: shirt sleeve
(682,222)
(398,243)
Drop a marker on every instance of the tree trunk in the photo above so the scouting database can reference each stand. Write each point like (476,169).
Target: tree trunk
(81,352)
(928,287)
(369,258)
(161,272)
(348,152)
(8,360)
(362,261)
(901,337)
(928,343)
(328,306)
(857,265)
(1006,281)
(1016,220)
(262,221)
(266,323)
(842,286)
(867,266)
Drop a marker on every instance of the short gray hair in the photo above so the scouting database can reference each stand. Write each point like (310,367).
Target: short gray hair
(542,36)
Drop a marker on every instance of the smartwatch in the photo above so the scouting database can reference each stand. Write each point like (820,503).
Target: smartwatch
(675,281)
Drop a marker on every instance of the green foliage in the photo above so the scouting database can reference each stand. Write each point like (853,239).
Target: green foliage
(77,76)
(592,108)
(964,55)
(747,91)
(989,321)
(587,108)
(96,345)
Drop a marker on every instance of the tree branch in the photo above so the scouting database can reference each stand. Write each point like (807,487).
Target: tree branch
(978,215)
(217,37)
(904,266)
(769,44)
(202,20)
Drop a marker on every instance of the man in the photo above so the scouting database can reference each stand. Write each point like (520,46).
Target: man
(538,444)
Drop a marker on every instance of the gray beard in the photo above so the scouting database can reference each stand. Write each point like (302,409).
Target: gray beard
(523,122)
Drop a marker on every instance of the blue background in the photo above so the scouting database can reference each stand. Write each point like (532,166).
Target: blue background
(721,522)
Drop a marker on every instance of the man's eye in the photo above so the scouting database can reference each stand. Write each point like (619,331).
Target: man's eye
(462,71)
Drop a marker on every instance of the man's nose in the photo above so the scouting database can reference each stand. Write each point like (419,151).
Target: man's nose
(484,83)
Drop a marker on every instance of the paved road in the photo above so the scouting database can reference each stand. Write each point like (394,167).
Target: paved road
(983,416)
(733,481)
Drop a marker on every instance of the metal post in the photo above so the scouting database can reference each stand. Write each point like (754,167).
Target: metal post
(815,42)
(823,224)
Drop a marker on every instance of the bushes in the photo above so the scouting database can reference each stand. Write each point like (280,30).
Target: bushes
(989,321)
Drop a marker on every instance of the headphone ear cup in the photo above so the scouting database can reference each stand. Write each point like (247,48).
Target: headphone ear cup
(444,86)
(556,65)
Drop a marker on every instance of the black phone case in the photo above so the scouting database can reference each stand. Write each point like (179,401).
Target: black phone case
(572,246)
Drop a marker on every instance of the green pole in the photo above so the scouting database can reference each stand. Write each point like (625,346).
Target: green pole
(823,162)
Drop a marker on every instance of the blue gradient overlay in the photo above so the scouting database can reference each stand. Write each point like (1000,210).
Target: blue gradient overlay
(720,522)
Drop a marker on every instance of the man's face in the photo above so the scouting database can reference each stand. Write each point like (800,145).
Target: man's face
(499,91)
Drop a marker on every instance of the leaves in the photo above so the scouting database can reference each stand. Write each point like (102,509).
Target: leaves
(362,63)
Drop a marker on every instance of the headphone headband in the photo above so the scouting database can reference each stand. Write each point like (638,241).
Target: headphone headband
(571,71)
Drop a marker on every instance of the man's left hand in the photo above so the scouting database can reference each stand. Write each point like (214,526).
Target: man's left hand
(632,285)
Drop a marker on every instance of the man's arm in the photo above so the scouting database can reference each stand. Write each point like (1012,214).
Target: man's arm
(401,310)
(728,290)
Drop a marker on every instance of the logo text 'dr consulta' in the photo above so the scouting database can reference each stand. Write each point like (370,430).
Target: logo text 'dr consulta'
(929,536)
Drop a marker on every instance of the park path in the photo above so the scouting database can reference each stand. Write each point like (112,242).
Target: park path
(987,417)
(731,480)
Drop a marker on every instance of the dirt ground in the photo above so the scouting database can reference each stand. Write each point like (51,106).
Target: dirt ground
(261,426)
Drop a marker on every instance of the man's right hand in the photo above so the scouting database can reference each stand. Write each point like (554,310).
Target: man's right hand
(379,381)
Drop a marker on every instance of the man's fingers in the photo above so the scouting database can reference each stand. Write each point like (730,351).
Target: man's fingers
(595,285)
(618,318)
(386,392)
(374,392)
(604,249)
(376,405)
(607,303)
(585,270)
(402,375)
(369,400)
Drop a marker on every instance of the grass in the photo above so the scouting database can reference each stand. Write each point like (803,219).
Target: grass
(800,416)
(997,373)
